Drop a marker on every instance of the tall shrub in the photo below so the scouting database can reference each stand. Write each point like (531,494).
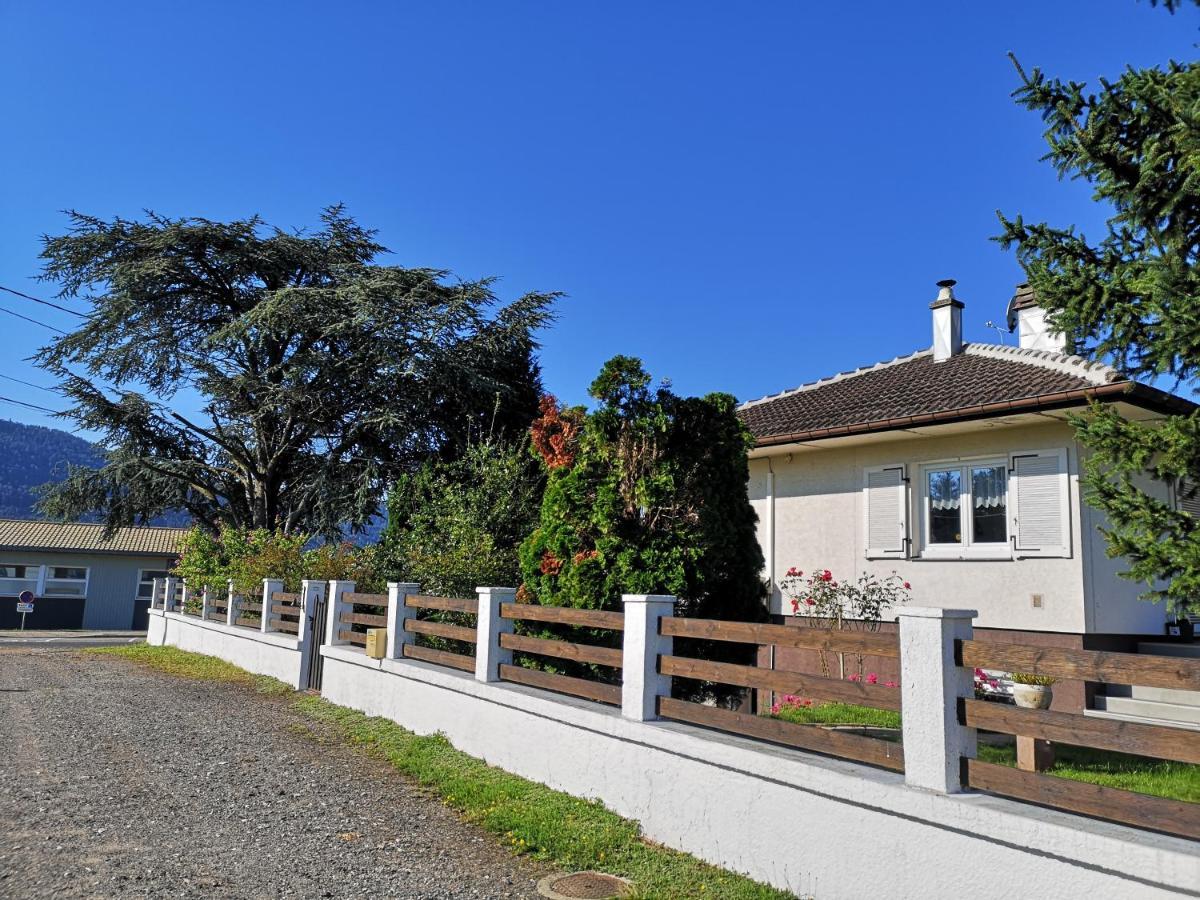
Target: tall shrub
(647,494)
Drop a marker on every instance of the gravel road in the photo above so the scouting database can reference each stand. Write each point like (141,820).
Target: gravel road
(116,781)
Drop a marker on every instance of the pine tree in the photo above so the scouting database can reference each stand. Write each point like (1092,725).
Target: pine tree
(1131,298)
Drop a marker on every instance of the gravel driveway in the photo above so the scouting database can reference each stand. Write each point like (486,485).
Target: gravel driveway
(116,781)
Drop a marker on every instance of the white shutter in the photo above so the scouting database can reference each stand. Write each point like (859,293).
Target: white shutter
(885,509)
(1185,503)
(1039,494)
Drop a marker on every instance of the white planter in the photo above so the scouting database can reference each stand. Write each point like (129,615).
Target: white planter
(1032,696)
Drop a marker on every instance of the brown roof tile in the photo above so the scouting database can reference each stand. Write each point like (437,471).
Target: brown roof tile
(24,534)
(916,386)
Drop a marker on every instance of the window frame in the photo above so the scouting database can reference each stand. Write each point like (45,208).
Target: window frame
(159,573)
(967,548)
(84,582)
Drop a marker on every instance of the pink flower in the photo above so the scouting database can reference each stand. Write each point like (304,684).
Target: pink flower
(890,684)
(855,677)
(827,575)
(810,601)
(907,586)
(872,678)
(795,605)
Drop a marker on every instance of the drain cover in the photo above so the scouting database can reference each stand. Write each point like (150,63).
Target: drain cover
(584,886)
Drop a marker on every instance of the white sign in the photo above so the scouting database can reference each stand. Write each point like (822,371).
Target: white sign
(24,607)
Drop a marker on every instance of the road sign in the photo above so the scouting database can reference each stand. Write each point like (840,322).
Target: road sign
(24,605)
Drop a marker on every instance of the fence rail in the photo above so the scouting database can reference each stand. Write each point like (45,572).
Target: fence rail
(563,684)
(457,655)
(1084,665)
(564,615)
(574,652)
(858,642)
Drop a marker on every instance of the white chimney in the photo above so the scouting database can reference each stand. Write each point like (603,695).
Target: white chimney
(1028,320)
(947,322)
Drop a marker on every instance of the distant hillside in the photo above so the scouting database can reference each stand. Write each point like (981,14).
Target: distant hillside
(31,455)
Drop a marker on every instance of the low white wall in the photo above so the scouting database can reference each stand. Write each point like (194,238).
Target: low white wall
(274,654)
(809,824)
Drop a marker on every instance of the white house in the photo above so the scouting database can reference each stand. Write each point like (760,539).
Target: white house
(955,467)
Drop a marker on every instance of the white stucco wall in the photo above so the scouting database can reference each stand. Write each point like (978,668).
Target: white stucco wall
(274,654)
(818,515)
(813,825)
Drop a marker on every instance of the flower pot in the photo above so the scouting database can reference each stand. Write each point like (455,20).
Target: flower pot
(1033,696)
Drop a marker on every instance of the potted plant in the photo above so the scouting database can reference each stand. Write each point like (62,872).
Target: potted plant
(1032,691)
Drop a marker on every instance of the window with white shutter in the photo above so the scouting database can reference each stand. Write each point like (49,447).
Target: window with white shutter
(885,509)
(1041,505)
(1187,497)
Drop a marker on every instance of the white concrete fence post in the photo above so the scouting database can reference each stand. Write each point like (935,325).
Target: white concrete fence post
(205,609)
(270,586)
(232,604)
(489,655)
(156,590)
(642,684)
(169,585)
(333,613)
(930,687)
(185,594)
(399,612)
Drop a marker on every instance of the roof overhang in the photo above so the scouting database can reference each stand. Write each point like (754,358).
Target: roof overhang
(1136,401)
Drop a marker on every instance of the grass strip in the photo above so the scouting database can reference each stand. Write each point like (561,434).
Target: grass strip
(564,831)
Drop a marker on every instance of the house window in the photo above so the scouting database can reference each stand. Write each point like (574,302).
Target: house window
(17,577)
(146,582)
(966,509)
(66,581)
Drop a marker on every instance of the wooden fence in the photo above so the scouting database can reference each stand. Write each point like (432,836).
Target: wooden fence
(1156,741)
(285,612)
(430,628)
(844,743)
(364,613)
(560,649)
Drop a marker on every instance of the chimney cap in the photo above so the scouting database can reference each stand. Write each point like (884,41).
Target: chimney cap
(945,295)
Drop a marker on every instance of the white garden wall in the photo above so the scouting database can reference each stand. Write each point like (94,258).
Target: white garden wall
(812,825)
(278,655)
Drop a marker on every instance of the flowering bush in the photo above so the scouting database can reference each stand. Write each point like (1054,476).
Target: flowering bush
(842,604)
(871,678)
(988,687)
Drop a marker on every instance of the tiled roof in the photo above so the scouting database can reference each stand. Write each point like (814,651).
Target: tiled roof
(983,379)
(24,534)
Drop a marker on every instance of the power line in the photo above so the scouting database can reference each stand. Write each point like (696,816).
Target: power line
(34,321)
(29,384)
(54,412)
(43,302)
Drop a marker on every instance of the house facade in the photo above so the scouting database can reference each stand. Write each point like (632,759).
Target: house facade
(955,467)
(80,578)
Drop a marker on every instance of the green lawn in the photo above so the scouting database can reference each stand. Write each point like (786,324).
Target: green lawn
(564,831)
(1177,781)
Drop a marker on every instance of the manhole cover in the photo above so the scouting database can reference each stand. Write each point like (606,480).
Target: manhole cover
(584,886)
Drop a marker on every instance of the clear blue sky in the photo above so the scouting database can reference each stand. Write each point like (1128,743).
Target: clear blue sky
(747,196)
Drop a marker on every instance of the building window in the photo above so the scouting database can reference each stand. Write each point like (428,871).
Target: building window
(17,577)
(146,582)
(966,509)
(66,581)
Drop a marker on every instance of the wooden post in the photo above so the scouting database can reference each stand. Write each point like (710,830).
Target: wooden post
(1034,754)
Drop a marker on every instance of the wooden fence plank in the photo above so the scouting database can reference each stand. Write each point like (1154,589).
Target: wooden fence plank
(1164,742)
(858,747)
(216,617)
(372,621)
(587,653)
(1178,672)
(247,622)
(813,686)
(440,657)
(286,610)
(282,597)
(365,599)
(446,604)
(563,615)
(563,684)
(251,607)
(1127,807)
(354,637)
(859,642)
(285,625)
(441,629)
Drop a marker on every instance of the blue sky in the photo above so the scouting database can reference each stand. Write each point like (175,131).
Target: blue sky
(747,196)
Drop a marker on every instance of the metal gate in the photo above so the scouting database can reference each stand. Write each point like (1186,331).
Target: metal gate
(315,663)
